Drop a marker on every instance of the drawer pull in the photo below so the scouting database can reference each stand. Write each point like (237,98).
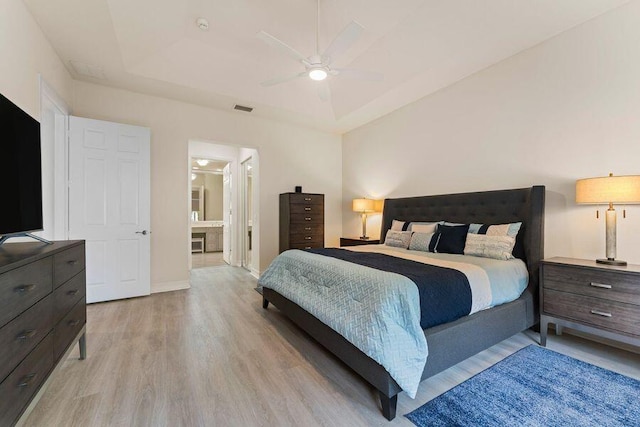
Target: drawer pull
(72,292)
(307,247)
(307,237)
(29,333)
(72,262)
(27,380)
(73,323)
(307,218)
(307,228)
(307,199)
(600,313)
(24,288)
(600,285)
(307,208)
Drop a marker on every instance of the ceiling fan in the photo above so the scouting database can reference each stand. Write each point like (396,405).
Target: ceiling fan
(318,66)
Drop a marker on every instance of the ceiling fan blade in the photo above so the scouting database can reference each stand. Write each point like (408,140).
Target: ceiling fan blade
(281,46)
(371,76)
(279,80)
(323,91)
(343,41)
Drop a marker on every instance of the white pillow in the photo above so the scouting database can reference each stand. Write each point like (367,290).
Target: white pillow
(497,229)
(397,225)
(423,227)
(487,246)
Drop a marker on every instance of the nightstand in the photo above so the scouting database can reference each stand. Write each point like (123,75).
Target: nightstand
(356,241)
(595,298)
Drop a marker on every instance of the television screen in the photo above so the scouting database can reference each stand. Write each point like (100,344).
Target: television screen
(20,170)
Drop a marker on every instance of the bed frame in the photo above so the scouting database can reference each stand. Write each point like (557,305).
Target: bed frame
(456,341)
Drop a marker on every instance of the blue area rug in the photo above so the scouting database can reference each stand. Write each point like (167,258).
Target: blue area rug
(536,387)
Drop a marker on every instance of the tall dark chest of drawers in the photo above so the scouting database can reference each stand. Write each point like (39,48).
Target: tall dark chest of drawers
(42,314)
(301,221)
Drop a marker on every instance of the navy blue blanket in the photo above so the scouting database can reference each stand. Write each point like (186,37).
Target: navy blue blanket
(445,294)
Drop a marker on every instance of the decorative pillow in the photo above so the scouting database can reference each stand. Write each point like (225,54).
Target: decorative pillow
(511,229)
(420,241)
(399,225)
(496,230)
(487,246)
(398,239)
(423,227)
(449,239)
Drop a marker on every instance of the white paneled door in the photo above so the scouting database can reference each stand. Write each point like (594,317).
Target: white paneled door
(109,206)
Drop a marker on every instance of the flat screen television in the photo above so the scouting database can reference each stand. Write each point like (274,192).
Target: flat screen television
(20,171)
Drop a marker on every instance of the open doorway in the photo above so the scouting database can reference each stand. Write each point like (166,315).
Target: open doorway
(240,205)
(208,211)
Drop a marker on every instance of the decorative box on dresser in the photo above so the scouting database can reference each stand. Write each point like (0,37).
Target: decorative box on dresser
(42,314)
(301,221)
(595,298)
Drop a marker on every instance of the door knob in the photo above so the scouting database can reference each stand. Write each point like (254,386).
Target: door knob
(143,232)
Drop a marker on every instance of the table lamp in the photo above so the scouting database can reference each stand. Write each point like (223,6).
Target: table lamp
(364,206)
(609,190)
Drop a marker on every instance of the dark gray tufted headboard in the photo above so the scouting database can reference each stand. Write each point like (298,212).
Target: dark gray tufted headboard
(485,207)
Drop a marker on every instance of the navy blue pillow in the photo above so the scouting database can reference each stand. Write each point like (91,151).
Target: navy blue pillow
(449,239)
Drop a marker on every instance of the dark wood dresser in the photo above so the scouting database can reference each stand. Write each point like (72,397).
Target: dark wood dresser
(595,298)
(42,314)
(301,221)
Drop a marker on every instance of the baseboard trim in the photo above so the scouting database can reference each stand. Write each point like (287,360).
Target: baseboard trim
(255,273)
(169,286)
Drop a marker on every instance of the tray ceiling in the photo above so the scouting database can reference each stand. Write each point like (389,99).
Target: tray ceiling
(155,47)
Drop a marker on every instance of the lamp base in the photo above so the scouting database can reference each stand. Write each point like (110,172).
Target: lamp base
(364,237)
(611,262)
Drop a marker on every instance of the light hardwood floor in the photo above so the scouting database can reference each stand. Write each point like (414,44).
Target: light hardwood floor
(211,356)
(207,259)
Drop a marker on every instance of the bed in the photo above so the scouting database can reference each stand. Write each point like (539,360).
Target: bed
(455,341)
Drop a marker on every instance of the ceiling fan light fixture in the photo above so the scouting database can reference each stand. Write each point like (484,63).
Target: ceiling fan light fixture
(319,65)
(318,74)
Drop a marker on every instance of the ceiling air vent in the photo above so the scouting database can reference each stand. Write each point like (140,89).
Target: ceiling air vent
(243,108)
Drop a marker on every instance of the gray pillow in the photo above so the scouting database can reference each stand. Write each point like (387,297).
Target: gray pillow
(398,239)
(420,241)
(483,245)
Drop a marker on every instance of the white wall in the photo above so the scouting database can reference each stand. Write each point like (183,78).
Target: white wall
(26,54)
(568,108)
(213,195)
(289,156)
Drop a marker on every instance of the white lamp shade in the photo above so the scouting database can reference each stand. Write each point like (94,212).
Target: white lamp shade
(609,189)
(364,205)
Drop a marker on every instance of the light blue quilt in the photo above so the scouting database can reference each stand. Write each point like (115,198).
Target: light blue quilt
(377,311)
